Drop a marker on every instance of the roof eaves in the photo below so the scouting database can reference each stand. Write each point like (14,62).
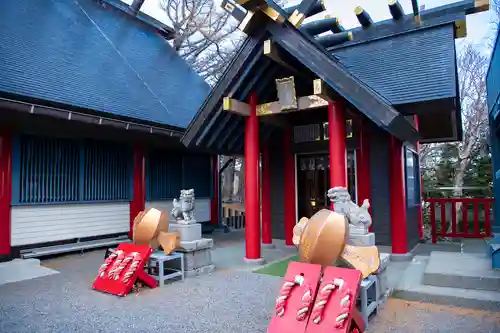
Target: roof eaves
(160,27)
(349,87)
(225,85)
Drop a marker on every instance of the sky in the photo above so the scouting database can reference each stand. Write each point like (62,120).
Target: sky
(479,28)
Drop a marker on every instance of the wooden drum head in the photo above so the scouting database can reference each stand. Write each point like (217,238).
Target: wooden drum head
(323,238)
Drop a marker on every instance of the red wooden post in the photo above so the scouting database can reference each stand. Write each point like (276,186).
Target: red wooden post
(487,221)
(5,192)
(139,184)
(290,191)
(465,218)
(267,238)
(252,195)
(477,232)
(454,219)
(397,198)
(442,204)
(337,145)
(363,181)
(214,203)
(433,221)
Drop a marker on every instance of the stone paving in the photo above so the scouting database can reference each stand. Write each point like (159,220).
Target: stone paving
(230,300)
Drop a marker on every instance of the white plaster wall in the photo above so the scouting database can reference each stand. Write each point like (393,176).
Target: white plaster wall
(201,211)
(34,224)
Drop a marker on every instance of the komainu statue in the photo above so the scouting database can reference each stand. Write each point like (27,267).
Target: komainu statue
(183,209)
(359,218)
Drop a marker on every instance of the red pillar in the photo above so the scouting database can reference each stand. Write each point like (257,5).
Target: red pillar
(214,203)
(420,213)
(337,146)
(267,238)
(397,198)
(290,191)
(252,195)
(363,179)
(138,202)
(5,191)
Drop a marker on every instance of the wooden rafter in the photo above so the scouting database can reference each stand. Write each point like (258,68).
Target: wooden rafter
(271,51)
(481,6)
(235,106)
(323,90)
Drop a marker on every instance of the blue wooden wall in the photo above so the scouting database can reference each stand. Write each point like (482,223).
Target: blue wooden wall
(169,172)
(53,170)
(493,97)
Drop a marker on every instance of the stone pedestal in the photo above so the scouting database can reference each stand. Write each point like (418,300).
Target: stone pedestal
(383,284)
(197,256)
(188,232)
(362,240)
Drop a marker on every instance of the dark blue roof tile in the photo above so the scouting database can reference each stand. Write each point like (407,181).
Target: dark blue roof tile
(79,53)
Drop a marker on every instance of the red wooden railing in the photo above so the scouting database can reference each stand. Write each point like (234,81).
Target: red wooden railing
(461,224)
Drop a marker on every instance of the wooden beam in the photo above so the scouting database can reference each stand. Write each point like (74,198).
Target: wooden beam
(481,6)
(323,90)
(271,51)
(251,4)
(273,14)
(235,11)
(235,106)
(460,28)
(304,9)
(304,103)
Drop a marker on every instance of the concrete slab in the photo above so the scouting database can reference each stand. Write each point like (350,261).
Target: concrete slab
(461,270)
(232,255)
(408,285)
(23,269)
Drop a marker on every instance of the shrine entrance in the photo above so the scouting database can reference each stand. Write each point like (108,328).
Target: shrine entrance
(313,181)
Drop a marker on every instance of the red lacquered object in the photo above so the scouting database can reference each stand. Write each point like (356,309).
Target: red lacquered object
(296,297)
(123,268)
(334,309)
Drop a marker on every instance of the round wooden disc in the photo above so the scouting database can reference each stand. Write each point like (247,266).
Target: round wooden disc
(146,226)
(324,238)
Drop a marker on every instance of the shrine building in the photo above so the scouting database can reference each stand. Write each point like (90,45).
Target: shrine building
(93,104)
(320,106)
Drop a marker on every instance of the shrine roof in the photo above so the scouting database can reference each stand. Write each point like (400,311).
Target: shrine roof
(95,57)
(342,69)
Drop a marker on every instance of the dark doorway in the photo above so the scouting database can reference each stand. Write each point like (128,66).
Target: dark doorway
(313,181)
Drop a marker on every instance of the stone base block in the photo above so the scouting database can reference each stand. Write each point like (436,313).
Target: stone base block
(200,271)
(187,232)
(196,259)
(383,285)
(257,262)
(353,230)
(362,240)
(401,257)
(196,245)
(384,262)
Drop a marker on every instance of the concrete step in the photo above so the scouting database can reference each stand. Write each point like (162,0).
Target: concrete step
(462,271)
(72,247)
(407,282)
(467,298)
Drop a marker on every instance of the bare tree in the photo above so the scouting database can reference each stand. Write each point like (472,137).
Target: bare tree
(472,69)
(205,35)
(495,7)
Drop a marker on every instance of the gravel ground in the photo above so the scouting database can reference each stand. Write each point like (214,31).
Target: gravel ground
(228,301)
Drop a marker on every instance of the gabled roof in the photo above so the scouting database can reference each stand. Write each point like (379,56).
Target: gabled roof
(95,57)
(214,129)
(317,60)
